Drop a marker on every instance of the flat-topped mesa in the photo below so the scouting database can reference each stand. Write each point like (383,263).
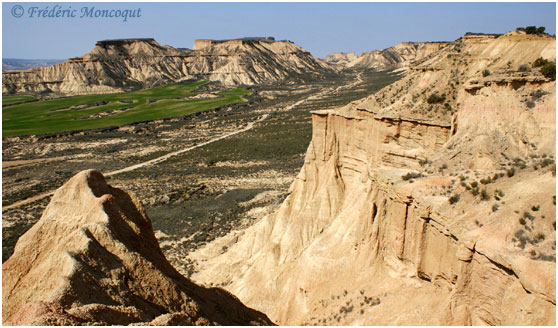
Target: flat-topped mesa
(200,44)
(123,41)
(127,64)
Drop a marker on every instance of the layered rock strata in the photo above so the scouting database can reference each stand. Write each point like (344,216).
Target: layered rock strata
(370,212)
(117,65)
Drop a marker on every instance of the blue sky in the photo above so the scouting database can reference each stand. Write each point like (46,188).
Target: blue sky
(320,28)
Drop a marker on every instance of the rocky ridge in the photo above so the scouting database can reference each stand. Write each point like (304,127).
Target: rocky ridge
(442,183)
(117,65)
(92,258)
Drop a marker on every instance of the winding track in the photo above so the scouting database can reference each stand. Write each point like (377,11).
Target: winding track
(178,152)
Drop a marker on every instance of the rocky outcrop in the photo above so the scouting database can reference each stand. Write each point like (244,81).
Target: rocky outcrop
(370,212)
(92,258)
(117,65)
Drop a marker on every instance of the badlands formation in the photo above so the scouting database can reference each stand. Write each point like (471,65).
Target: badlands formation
(431,202)
(93,258)
(117,65)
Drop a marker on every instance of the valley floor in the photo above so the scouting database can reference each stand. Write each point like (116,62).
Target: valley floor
(198,194)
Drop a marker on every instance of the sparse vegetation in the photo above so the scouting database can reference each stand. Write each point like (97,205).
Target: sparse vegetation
(485,73)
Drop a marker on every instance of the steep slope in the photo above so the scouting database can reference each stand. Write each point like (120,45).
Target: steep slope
(394,57)
(116,65)
(369,234)
(92,258)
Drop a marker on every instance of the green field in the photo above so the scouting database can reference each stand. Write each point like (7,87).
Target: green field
(81,112)
(8,100)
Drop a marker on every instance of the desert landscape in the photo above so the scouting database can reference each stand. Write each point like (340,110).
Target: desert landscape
(248,182)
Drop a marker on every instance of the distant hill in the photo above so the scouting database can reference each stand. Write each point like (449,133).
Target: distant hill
(124,64)
(11,64)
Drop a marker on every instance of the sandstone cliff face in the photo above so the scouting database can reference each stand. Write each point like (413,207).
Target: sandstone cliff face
(117,65)
(394,57)
(92,258)
(352,227)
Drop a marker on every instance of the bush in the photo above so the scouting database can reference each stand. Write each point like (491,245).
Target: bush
(528,216)
(454,199)
(535,208)
(510,173)
(484,195)
(485,73)
(538,94)
(533,29)
(539,237)
(495,207)
(522,221)
(523,68)
(549,71)
(411,175)
(530,103)
(540,62)
(435,99)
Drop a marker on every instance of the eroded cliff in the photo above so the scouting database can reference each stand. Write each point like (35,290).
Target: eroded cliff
(416,209)
(92,258)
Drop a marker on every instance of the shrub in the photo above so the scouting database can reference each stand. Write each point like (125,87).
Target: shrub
(474,184)
(523,68)
(495,207)
(498,194)
(535,208)
(411,175)
(485,73)
(486,181)
(530,103)
(484,195)
(528,216)
(435,99)
(539,62)
(547,161)
(539,237)
(522,221)
(549,71)
(510,173)
(475,191)
(533,29)
(538,94)
(454,199)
